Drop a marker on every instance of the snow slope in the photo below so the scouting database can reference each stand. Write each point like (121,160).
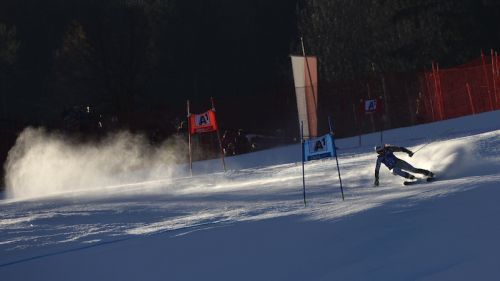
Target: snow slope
(250,223)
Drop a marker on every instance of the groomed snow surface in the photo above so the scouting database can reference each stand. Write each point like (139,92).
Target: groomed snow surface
(116,211)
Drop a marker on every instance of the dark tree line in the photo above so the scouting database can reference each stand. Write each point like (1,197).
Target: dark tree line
(358,37)
(133,63)
(372,48)
(97,53)
(126,57)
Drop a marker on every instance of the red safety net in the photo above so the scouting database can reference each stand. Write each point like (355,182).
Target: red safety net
(463,90)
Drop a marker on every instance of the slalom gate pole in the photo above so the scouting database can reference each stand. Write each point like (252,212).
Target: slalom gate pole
(336,157)
(382,127)
(356,124)
(435,138)
(218,137)
(189,139)
(308,73)
(493,72)
(485,73)
(303,160)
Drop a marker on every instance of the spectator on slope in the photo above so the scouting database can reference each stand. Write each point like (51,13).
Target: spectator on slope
(228,143)
(399,167)
(241,143)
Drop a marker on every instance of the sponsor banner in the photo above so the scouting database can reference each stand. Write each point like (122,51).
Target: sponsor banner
(202,123)
(318,148)
(372,106)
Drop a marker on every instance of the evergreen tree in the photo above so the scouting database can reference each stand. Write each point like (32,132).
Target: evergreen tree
(357,36)
(9,45)
(75,81)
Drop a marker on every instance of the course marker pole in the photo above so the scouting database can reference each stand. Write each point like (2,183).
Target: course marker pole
(303,160)
(336,158)
(218,137)
(189,138)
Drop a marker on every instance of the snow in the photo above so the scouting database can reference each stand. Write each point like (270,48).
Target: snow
(250,223)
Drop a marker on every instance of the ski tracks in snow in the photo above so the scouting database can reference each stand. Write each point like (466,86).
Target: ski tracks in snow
(41,227)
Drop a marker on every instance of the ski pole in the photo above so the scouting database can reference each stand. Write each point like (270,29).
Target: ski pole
(433,139)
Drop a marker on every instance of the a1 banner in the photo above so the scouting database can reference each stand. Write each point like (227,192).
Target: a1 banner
(318,148)
(372,105)
(203,123)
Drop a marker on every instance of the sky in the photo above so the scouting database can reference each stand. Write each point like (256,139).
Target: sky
(152,221)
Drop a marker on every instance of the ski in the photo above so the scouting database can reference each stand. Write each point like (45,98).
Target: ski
(419,181)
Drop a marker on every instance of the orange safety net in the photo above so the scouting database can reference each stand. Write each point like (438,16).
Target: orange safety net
(463,90)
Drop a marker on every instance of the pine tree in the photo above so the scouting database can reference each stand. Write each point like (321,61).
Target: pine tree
(75,78)
(354,37)
(9,46)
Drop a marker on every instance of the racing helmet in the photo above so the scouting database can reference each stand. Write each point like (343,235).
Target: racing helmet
(379,148)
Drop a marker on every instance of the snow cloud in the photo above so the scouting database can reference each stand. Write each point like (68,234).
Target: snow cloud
(43,163)
(452,158)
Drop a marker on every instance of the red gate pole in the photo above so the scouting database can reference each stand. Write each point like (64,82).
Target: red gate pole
(436,91)
(189,139)
(441,99)
(497,96)
(487,80)
(427,79)
(497,99)
(218,137)
(470,98)
(494,74)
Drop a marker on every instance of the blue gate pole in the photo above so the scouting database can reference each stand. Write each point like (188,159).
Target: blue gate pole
(303,152)
(336,158)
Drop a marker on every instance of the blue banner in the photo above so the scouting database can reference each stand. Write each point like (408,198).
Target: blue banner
(318,148)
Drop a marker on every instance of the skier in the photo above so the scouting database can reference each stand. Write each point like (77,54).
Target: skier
(398,166)
(241,143)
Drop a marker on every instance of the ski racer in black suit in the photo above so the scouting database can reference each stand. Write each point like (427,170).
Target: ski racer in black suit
(399,167)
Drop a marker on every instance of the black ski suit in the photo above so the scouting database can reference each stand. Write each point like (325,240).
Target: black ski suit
(399,167)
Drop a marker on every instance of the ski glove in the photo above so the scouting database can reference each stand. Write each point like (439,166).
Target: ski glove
(407,151)
(376,182)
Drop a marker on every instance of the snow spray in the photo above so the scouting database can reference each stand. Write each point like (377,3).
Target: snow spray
(43,163)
